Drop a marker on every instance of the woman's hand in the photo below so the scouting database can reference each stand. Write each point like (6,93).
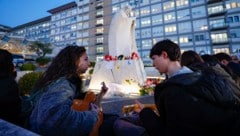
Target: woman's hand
(138,106)
(104,89)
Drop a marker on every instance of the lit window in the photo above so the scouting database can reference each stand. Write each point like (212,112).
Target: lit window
(145,11)
(99,30)
(170,29)
(157,19)
(145,21)
(156,8)
(168,5)
(99,49)
(181,3)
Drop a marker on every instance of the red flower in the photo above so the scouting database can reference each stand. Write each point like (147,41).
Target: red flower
(134,56)
(107,57)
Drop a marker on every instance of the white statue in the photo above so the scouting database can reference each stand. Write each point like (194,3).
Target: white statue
(121,76)
(121,39)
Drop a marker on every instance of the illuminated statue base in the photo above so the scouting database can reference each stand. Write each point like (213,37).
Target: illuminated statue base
(122,77)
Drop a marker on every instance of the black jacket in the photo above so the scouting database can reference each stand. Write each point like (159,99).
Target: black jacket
(193,104)
(10,102)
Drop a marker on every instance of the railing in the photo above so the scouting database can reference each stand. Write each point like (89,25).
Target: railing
(218,26)
(214,12)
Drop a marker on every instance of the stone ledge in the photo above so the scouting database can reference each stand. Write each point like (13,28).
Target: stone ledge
(115,105)
(9,129)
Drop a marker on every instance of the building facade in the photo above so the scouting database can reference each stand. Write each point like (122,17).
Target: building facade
(37,30)
(206,26)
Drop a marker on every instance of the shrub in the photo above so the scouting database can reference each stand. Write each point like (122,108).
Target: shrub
(27,82)
(28,66)
(42,60)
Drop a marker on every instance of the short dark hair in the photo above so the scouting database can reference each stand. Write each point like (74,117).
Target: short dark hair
(172,49)
(221,56)
(190,57)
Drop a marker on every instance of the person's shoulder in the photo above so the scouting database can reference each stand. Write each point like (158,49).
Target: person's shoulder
(179,81)
(62,82)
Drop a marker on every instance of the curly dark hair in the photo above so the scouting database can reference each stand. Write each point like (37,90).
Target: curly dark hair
(63,65)
(6,64)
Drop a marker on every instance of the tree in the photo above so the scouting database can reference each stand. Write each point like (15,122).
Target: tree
(41,48)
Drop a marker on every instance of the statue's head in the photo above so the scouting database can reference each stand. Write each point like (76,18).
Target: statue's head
(127,9)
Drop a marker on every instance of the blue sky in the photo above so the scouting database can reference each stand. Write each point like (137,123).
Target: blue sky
(18,12)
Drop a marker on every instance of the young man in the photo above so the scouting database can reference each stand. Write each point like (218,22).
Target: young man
(189,103)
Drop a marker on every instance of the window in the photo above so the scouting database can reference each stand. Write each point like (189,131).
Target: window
(230,19)
(183,14)
(146,33)
(217,23)
(115,1)
(85,33)
(145,21)
(99,21)
(85,16)
(85,41)
(99,30)
(185,27)
(157,31)
(185,39)
(137,34)
(182,3)
(199,37)
(85,25)
(146,44)
(169,17)
(235,33)
(236,19)
(231,4)
(198,12)
(156,8)
(99,49)
(99,40)
(157,19)
(219,37)
(197,2)
(73,27)
(170,29)
(99,12)
(168,5)
(233,19)
(216,9)
(115,8)
(200,25)
(145,11)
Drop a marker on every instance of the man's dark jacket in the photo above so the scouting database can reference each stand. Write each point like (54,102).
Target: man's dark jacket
(193,104)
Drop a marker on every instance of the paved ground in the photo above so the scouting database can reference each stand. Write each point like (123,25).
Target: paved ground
(115,105)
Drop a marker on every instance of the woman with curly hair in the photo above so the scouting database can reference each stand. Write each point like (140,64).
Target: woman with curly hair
(60,85)
(10,102)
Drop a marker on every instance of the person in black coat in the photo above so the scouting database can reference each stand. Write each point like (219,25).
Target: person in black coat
(10,102)
(190,103)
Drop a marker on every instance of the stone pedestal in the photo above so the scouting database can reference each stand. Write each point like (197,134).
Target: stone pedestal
(121,76)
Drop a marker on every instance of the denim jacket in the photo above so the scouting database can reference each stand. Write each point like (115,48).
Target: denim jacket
(52,113)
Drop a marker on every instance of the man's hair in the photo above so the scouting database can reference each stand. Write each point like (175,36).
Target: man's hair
(63,65)
(6,65)
(171,48)
(190,57)
(221,56)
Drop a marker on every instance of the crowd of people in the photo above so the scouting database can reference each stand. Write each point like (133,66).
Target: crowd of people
(200,96)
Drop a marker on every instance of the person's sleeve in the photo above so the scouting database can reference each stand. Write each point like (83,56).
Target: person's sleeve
(56,111)
(151,122)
